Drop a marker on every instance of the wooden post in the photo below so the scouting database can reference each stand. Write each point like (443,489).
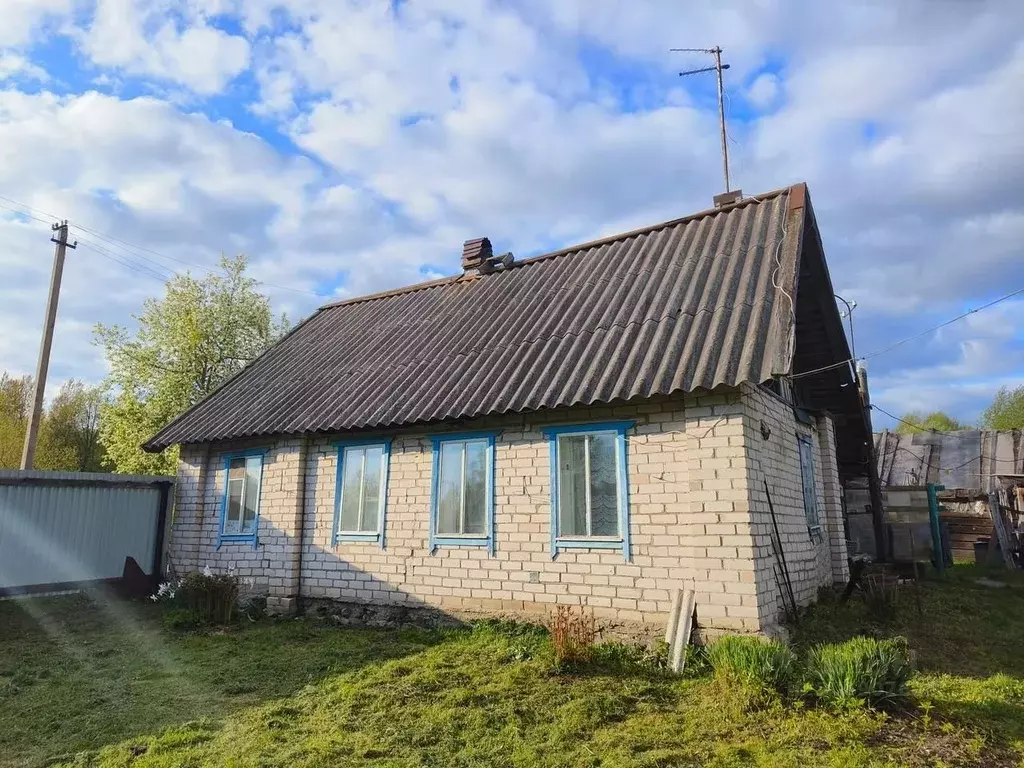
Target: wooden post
(874,484)
(933,518)
(1001,533)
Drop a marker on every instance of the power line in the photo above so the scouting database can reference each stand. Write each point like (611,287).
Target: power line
(22,213)
(134,266)
(948,322)
(918,426)
(901,342)
(134,249)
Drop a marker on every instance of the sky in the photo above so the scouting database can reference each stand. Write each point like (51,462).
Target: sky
(348,146)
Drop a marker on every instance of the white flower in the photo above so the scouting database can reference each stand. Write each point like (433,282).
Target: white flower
(207,572)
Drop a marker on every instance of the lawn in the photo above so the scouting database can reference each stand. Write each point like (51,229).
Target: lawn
(84,684)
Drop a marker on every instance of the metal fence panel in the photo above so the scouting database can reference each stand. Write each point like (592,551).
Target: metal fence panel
(57,528)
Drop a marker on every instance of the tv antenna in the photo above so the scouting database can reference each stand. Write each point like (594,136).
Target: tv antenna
(719,66)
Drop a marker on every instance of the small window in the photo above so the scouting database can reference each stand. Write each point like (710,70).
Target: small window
(589,498)
(241,505)
(809,485)
(361,491)
(463,496)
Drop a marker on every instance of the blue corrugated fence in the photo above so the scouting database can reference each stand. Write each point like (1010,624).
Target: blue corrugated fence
(61,530)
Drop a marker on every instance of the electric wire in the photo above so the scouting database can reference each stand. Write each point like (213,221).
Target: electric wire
(918,427)
(901,342)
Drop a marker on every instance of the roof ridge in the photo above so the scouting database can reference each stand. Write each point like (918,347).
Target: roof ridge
(586,245)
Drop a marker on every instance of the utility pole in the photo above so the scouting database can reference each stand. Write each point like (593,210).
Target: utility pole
(39,387)
(719,66)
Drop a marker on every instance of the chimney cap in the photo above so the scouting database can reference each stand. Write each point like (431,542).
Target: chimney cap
(728,198)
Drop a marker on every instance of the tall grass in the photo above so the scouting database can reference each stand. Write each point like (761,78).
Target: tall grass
(764,667)
(573,632)
(858,672)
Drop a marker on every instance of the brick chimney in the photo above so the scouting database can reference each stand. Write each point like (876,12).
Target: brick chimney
(476,253)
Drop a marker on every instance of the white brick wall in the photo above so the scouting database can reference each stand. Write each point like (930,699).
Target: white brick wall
(813,561)
(693,483)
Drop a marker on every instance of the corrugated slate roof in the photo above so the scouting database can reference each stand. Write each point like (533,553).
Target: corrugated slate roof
(683,305)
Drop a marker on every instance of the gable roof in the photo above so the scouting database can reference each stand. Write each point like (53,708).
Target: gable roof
(693,303)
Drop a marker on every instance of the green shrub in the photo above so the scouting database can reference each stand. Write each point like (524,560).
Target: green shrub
(179,619)
(210,596)
(861,671)
(881,594)
(762,667)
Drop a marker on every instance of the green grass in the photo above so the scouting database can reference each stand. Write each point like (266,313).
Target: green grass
(83,685)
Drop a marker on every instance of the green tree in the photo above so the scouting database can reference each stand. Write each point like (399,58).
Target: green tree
(202,332)
(68,432)
(15,400)
(916,421)
(1006,410)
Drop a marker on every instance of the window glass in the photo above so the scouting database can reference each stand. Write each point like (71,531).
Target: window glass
(572,485)
(449,499)
(236,486)
(362,473)
(604,491)
(462,488)
(243,495)
(475,512)
(351,489)
(373,471)
(588,485)
(252,493)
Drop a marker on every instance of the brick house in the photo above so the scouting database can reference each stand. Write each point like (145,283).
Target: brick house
(592,426)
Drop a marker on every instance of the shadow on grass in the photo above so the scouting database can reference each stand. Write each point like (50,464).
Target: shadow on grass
(77,674)
(964,628)
(966,643)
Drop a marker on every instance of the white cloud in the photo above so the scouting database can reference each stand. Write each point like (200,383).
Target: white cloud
(13,65)
(22,19)
(764,91)
(536,124)
(140,38)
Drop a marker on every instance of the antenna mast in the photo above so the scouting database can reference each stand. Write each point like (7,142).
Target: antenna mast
(719,66)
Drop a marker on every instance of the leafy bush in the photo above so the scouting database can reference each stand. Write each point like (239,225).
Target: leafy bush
(200,598)
(573,632)
(762,667)
(861,671)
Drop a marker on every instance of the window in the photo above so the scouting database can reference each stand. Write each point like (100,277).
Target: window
(462,498)
(240,508)
(361,491)
(589,487)
(807,476)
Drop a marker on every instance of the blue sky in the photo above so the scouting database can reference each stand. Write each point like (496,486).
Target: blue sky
(352,146)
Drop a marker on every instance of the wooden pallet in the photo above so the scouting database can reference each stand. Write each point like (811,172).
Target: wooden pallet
(964,532)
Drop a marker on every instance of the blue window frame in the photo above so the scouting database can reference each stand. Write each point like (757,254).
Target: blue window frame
(462,491)
(240,505)
(810,489)
(361,490)
(589,486)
